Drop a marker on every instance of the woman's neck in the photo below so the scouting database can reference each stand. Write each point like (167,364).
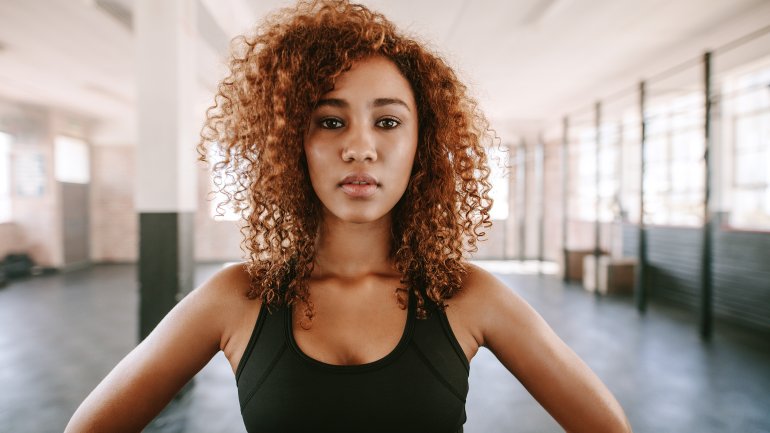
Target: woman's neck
(351,251)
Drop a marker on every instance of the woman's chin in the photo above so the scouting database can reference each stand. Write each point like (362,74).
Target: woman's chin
(358,216)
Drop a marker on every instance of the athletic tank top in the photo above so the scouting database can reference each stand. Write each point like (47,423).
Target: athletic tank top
(420,386)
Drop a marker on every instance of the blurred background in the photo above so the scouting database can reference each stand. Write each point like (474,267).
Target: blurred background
(631,187)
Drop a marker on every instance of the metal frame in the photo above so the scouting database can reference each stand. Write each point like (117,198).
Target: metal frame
(640,294)
(565,194)
(597,197)
(540,182)
(706,312)
(521,192)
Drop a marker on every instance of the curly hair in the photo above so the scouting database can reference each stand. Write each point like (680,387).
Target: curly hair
(257,123)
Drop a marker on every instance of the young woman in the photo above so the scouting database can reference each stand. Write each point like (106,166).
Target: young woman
(358,162)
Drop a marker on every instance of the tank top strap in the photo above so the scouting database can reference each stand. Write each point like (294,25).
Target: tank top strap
(265,347)
(438,346)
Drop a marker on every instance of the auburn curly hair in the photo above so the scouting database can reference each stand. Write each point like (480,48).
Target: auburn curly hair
(256,127)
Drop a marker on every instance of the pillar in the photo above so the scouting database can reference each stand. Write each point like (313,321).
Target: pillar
(165,198)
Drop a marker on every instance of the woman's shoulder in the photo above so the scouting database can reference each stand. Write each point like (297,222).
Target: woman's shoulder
(469,309)
(231,282)
(465,309)
(232,275)
(225,293)
(478,302)
(479,285)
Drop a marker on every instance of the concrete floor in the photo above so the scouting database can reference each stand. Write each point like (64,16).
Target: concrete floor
(60,334)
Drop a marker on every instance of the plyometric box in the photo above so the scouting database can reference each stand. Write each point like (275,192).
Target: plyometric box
(615,275)
(574,264)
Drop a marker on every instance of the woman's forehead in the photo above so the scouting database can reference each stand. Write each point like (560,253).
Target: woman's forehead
(373,79)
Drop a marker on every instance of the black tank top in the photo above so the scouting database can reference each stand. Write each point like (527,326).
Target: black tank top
(420,386)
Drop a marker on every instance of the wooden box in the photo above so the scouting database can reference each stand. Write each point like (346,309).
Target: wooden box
(615,275)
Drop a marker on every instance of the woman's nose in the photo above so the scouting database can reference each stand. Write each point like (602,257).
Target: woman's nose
(359,145)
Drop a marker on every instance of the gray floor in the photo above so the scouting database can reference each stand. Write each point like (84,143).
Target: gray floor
(60,334)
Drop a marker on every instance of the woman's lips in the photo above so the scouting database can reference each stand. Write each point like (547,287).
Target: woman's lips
(358,191)
(359,185)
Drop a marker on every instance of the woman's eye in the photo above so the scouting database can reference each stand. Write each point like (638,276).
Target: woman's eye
(330,123)
(388,123)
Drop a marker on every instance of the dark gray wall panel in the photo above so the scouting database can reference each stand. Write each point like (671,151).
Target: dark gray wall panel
(630,235)
(75,224)
(673,255)
(742,277)
(741,270)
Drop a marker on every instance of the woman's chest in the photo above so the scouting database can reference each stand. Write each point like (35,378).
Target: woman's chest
(347,340)
(407,396)
(418,385)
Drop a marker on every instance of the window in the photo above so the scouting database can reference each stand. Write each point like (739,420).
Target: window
(675,169)
(583,172)
(582,176)
(746,135)
(609,184)
(5,178)
(72,162)
(628,204)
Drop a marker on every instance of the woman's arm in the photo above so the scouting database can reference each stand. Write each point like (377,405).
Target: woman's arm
(143,383)
(558,379)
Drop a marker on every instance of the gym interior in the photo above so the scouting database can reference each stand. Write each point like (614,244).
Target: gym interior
(630,178)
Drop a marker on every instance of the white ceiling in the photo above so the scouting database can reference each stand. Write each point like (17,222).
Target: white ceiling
(524,59)
(65,53)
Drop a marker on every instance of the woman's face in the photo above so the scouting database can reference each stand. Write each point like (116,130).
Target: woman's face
(361,142)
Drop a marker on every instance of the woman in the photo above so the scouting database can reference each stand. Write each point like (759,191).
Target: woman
(357,160)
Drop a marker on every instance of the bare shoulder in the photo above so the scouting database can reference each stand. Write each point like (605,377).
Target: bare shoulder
(471,310)
(226,294)
(484,301)
(221,295)
(481,284)
(227,290)
(231,282)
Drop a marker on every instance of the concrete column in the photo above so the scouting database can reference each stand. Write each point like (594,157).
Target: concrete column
(165,165)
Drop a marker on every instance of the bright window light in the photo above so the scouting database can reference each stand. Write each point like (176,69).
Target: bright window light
(746,132)
(72,163)
(5,177)
(675,169)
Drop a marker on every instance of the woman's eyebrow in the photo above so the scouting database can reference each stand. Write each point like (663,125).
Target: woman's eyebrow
(379,102)
(332,102)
